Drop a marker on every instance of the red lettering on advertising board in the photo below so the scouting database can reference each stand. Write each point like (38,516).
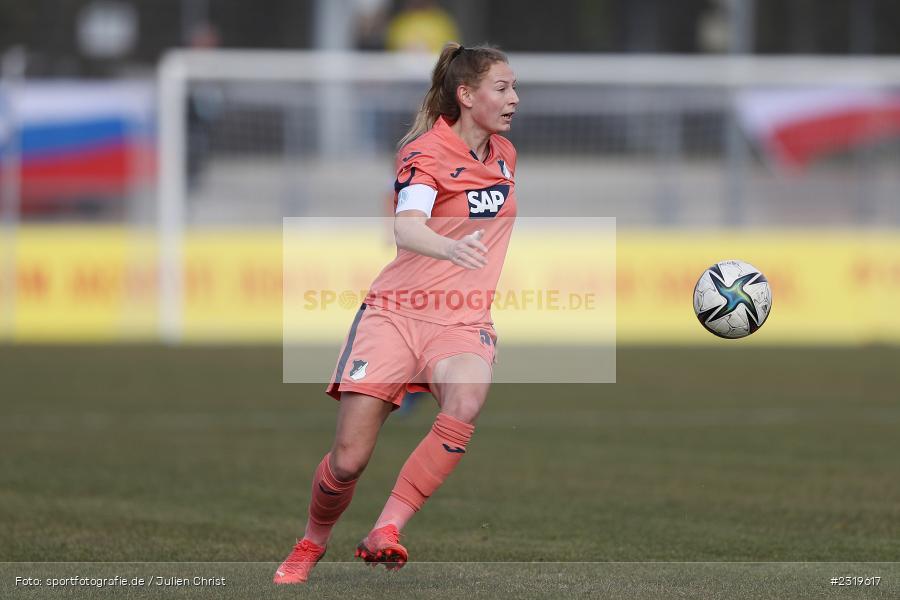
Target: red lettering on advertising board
(875,273)
(95,282)
(141,283)
(32,282)
(198,281)
(261,284)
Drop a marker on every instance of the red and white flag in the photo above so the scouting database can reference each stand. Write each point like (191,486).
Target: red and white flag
(797,126)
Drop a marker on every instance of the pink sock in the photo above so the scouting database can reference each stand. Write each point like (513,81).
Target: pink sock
(396,512)
(426,469)
(330,497)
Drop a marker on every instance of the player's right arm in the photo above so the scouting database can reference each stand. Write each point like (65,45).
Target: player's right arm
(412,233)
(417,191)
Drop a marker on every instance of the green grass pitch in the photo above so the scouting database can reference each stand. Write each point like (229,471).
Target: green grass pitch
(733,457)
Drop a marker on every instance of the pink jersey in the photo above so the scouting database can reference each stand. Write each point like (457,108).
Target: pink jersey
(471,195)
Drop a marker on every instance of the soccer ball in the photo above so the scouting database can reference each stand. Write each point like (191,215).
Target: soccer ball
(732,299)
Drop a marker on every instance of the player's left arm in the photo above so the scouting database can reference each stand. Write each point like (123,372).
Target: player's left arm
(411,233)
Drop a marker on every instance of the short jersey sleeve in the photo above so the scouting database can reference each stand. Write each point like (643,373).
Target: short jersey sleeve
(415,167)
(416,197)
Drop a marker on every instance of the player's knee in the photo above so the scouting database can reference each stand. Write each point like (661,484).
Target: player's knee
(347,463)
(465,407)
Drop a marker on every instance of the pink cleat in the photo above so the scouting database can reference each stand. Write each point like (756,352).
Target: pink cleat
(298,564)
(382,547)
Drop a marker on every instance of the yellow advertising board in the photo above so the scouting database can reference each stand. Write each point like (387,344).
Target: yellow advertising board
(79,284)
(99,284)
(828,286)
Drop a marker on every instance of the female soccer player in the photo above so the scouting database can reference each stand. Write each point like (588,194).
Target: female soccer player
(426,323)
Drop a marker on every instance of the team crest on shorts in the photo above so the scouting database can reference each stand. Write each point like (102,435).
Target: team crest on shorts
(359,369)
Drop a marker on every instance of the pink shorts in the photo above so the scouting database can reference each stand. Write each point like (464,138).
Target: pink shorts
(387,354)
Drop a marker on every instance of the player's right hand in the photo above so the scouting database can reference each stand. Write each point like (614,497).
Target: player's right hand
(468,251)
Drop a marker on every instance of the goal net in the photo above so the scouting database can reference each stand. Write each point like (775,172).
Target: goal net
(248,138)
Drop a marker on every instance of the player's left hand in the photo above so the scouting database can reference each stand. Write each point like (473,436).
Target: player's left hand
(468,251)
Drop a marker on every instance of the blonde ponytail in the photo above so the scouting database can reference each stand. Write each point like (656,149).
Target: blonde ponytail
(455,66)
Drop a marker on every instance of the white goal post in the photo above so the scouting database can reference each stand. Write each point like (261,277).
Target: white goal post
(677,136)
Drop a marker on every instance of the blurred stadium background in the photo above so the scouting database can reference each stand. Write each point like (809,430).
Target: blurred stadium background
(151,150)
(161,144)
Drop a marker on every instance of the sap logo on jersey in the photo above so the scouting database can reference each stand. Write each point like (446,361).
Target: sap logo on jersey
(486,202)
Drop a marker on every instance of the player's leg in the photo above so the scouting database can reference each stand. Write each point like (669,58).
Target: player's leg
(360,418)
(371,373)
(460,383)
(370,380)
